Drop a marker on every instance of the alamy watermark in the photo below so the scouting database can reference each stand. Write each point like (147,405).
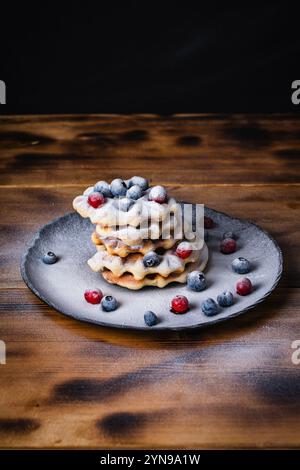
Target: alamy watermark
(295,97)
(2,92)
(296,94)
(2,352)
(296,354)
(178,221)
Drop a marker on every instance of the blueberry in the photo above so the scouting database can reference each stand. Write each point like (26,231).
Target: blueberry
(209,308)
(50,258)
(225,299)
(150,318)
(135,192)
(229,235)
(109,303)
(118,187)
(196,281)
(151,259)
(124,204)
(241,265)
(143,183)
(206,235)
(104,188)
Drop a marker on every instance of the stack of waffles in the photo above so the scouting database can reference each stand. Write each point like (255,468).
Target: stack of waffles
(139,241)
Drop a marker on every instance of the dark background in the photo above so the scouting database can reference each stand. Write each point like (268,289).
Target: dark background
(138,57)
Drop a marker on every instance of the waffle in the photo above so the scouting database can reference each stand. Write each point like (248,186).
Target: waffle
(123,237)
(110,215)
(133,263)
(137,235)
(127,280)
(117,247)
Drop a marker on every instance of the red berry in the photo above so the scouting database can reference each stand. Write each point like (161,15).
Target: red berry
(208,222)
(158,194)
(93,296)
(183,250)
(159,200)
(96,199)
(228,245)
(179,304)
(244,286)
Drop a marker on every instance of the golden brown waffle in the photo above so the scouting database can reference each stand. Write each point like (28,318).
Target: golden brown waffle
(117,247)
(134,265)
(136,235)
(109,213)
(127,280)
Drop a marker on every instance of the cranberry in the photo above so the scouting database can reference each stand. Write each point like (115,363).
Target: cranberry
(183,250)
(179,304)
(158,194)
(227,246)
(96,199)
(93,296)
(244,286)
(208,222)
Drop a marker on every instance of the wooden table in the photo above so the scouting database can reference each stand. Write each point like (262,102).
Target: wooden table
(72,385)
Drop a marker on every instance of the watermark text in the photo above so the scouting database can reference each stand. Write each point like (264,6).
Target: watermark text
(2,92)
(2,352)
(296,94)
(296,354)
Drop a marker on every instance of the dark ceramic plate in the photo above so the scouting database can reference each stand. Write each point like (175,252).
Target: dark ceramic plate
(62,285)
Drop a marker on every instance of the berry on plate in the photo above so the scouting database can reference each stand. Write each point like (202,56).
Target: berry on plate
(158,194)
(96,199)
(151,259)
(241,265)
(227,246)
(196,281)
(134,192)
(109,303)
(118,187)
(184,250)
(103,187)
(93,296)
(150,318)
(124,204)
(179,304)
(229,235)
(209,307)
(143,183)
(225,299)
(244,286)
(50,258)
(206,235)
(208,222)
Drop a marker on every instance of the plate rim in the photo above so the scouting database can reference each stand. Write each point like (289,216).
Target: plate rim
(214,321)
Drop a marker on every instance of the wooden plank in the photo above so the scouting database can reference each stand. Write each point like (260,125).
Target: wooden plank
(175,149)
(68,384)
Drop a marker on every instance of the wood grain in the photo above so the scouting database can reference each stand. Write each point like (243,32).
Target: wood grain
(70,384)
(168,150)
